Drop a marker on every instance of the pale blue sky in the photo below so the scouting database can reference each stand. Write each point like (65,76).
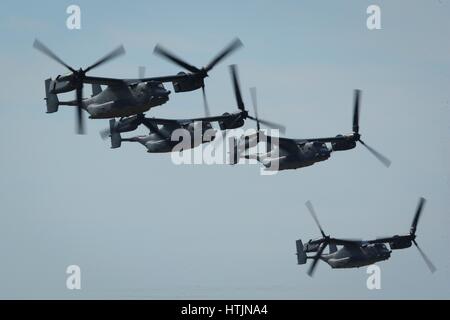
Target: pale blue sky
(141,227)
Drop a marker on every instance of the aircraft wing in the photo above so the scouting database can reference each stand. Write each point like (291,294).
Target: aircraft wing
(389,239)
(323,140)
(347,242)
(116,81)
(291,145)
(157,79)
(186,121)
(104,81)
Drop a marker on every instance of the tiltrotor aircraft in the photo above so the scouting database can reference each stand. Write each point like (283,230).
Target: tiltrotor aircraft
(357,253)
(122,97)
(159,138)
(299,153)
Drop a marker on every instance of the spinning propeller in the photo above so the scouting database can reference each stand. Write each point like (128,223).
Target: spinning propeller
(412,233)
(325,240)
(77,77)
(357,137)
(200,73)
(241,106)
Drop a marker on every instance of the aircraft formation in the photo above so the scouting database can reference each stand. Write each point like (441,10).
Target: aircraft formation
(125,101)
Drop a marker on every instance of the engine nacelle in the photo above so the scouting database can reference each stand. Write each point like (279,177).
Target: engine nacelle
(343,145)
(231,123)
(189,84)
(400,243)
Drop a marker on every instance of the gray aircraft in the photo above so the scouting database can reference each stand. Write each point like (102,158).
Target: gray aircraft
(357,253)
(159,138)
(122,97)
(299,153)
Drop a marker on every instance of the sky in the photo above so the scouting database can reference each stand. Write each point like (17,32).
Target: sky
(141,227)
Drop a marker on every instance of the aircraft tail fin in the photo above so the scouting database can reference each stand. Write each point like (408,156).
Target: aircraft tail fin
(301,254)
(116,139)
(96,89)
(51,99)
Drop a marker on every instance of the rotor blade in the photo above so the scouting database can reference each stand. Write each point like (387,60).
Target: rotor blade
(310,207)
(356,99)
(141,72)
(79,94)
(385,161)
(237,89)
(159,50)
(430,265)
(42,48)
(254,100)
(255,106)
(272,125)
(269,124)
(120,50)
(205,103)
(316,259)
(235,44)
(417,215)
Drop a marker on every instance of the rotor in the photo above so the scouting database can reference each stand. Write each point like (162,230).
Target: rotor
(412,233)
(356,136)
(240,103)
(76,78)
(325,241)
(200,73)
